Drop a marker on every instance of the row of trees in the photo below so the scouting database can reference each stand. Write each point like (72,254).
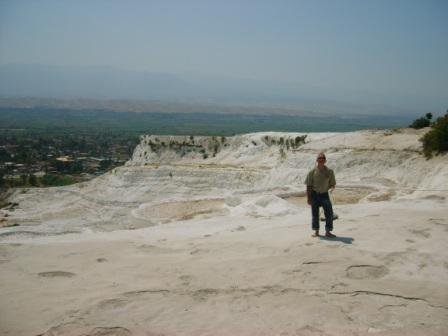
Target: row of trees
(31,180)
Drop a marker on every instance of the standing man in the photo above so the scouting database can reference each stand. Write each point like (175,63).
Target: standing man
(318,182)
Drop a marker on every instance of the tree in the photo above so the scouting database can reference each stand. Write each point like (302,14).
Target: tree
(77,167)
(33,180)
(422,122)
(105,164)
(282,153)
(215,149)
(300,140)
(436,140)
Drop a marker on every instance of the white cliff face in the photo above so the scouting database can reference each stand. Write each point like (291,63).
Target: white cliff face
(169,149)
(166,169)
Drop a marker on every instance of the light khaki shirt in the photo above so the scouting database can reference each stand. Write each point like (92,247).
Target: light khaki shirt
(321,180)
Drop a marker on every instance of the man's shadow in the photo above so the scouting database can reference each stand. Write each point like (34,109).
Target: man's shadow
(345,240)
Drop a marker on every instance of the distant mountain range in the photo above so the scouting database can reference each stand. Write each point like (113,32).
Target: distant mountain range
(147,106)
(123,90)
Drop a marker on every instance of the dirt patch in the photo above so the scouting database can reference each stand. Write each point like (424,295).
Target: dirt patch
(366,271)
(435,197)
(183,210)
(380,196)
(56,274)
(113,331)
(339,196)
(351,195)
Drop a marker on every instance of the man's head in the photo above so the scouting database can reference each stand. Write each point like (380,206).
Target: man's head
(321,159)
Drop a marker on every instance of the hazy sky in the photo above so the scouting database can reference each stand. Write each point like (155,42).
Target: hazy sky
(391,46)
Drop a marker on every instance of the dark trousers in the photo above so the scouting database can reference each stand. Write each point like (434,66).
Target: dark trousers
(321,200)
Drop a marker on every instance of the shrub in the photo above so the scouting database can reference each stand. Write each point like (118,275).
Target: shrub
(300,140)
(422,122)
(282,153)
(57,180)
(33,180)
(24,179)
(436,140)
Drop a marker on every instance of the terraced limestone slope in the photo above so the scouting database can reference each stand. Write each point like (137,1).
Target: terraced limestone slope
(213,174)
(213,238)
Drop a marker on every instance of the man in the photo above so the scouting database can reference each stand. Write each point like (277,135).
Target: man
(318,182)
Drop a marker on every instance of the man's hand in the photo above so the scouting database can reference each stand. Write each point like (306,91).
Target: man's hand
(309,201)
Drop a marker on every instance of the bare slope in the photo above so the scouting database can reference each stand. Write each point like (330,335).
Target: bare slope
(369,165)
(221,245)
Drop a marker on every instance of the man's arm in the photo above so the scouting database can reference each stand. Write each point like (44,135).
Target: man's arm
(332,182)
(309,186)
(308,194)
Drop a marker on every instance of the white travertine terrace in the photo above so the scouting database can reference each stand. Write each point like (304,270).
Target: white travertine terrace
(211,236)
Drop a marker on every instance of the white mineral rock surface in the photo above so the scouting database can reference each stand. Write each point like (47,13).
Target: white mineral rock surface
(212,236)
